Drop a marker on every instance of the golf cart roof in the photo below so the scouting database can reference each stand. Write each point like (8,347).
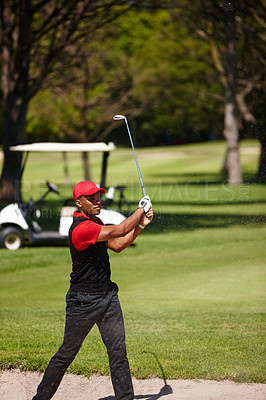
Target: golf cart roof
(64,147)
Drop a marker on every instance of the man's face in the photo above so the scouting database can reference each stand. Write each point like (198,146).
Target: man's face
(89,205)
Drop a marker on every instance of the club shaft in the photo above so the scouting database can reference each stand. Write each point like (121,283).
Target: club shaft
(133,148)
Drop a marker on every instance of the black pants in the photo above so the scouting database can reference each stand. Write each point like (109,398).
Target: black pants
(82,312)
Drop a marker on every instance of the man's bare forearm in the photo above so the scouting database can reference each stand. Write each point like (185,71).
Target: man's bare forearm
(124,228)
(121,243)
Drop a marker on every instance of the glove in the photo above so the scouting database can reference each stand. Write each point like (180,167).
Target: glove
(145,203)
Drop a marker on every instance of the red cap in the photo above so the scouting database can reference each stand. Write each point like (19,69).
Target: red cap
(86,188)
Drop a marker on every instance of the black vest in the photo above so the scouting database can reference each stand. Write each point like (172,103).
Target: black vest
(90,267)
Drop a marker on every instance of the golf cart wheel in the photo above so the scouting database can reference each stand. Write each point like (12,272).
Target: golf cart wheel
(11,238)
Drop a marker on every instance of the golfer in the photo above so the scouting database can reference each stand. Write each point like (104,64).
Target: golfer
(92,297)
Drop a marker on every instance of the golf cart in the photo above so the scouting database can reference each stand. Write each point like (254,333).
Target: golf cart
(21,222)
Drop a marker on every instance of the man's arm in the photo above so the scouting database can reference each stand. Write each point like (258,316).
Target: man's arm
(121,243)
(115,231)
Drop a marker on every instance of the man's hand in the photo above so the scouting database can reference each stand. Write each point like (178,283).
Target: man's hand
(147,218)
(145,203)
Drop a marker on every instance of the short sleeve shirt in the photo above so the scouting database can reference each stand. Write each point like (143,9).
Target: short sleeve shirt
(86,232)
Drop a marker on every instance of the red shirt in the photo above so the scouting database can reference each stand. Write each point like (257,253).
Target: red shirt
(86,232)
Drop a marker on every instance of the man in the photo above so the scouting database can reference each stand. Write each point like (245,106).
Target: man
(92,297)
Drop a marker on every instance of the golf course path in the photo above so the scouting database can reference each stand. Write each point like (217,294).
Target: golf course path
(16,385)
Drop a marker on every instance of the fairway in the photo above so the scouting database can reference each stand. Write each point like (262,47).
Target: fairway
(192,288)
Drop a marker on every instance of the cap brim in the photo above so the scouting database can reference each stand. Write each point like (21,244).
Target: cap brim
(91,192)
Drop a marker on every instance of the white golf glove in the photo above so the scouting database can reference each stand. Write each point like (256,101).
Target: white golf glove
(145,203)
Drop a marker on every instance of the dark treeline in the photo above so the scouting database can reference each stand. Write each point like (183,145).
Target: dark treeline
(180,72)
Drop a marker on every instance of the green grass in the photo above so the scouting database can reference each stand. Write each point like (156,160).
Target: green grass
(192,289)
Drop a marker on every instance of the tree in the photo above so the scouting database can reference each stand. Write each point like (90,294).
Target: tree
(231,127)
(216,24)
(235,33)
(246,80)
(34,35)
(135,65)
(250,95)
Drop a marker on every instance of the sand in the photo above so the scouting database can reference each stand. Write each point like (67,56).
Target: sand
(16,385)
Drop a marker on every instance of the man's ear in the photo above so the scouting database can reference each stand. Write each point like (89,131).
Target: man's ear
(78,202)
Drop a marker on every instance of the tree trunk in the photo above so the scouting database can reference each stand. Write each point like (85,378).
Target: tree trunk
(232,163)
(262,162)
(66,171)
(231,130)
(86,166)
(13,134)
(259,131)
(262,138)
(83,87)
(15,70)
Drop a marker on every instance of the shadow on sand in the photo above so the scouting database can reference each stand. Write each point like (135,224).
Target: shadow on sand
(164,391)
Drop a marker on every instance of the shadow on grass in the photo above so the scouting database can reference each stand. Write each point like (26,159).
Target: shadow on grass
(164,222)
(209,203)
(203,178)
(187,222)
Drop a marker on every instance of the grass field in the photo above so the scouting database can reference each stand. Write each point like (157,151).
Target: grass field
(192,289)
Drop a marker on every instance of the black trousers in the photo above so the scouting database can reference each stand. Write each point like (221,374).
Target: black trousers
(82,312)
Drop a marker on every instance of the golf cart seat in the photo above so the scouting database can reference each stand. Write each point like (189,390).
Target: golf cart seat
(122,202)
(66,215)
(67,211)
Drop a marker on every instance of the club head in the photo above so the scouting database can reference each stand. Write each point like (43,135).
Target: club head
(118,117)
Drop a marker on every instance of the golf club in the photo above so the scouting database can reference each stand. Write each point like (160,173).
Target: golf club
(119,117)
